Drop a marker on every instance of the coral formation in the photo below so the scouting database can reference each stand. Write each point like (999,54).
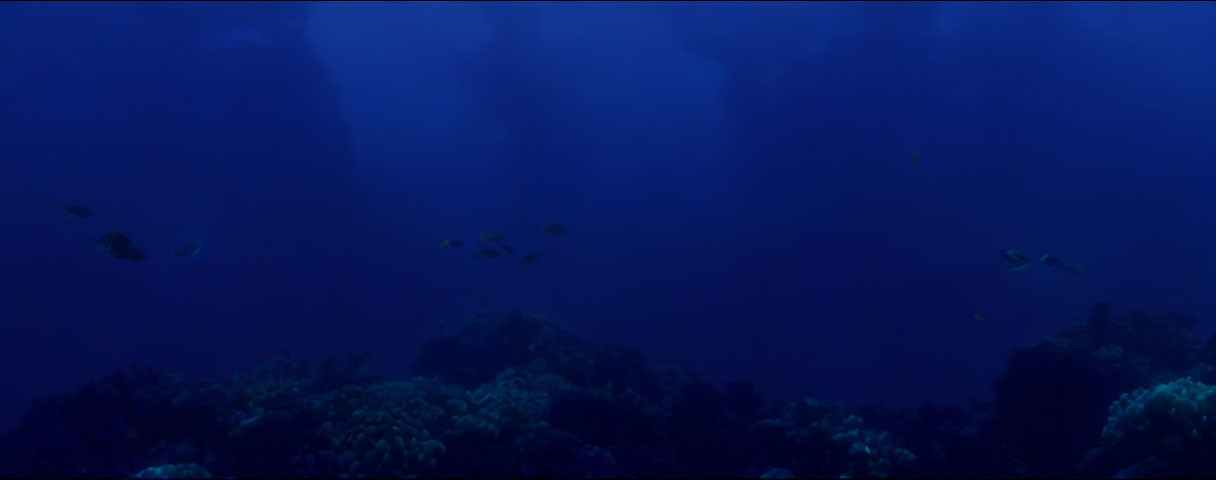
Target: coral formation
(813,439)
(1164,431)
(1050,401)
(504,393)
(950,441)
(181,470)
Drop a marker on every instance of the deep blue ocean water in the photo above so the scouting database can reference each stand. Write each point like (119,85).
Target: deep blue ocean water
(811,195)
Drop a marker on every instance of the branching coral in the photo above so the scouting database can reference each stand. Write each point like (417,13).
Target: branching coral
(537,402)
(1165,431)
(385,428)
(815,439)
(1051,398)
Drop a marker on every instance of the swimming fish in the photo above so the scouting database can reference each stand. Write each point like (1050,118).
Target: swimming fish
(915,159)
(114,240)
(555,228)
(74,211)
(121,247)
(531,258)
(190,250)
(507,249)
(489,253)
(976,316)
(490,237)
(1051,262)
(451,243)
(1055,263)
(1015,259)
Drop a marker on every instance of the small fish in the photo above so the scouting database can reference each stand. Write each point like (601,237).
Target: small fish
(133,254)
(555,228)
(507,249)
(915,159)
(1052,262)
(976,316)
(451,243)
(531,258)
(1015,259)
(1055,263)
(113,240)
(121,247)
(489,253)
(74,211)
(490,237)
(190,250)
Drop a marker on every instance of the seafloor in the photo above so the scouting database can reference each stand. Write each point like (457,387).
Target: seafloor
(505,393)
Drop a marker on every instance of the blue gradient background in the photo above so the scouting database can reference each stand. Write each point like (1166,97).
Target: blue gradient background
(737,179)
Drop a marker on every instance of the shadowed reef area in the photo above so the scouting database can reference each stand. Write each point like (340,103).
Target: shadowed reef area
(507,393)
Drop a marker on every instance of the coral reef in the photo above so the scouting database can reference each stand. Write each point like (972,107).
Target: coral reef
(181,470)
(1051,400)
(812,439)
(504,393)
(950,441)
(129,420)
(499,393)
(1165,431)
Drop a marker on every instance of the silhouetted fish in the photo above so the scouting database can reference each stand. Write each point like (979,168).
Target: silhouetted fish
(74,211)
(555,228)
(190,249)
(531,258)
(1015,259)
(491,237)
(121,247)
